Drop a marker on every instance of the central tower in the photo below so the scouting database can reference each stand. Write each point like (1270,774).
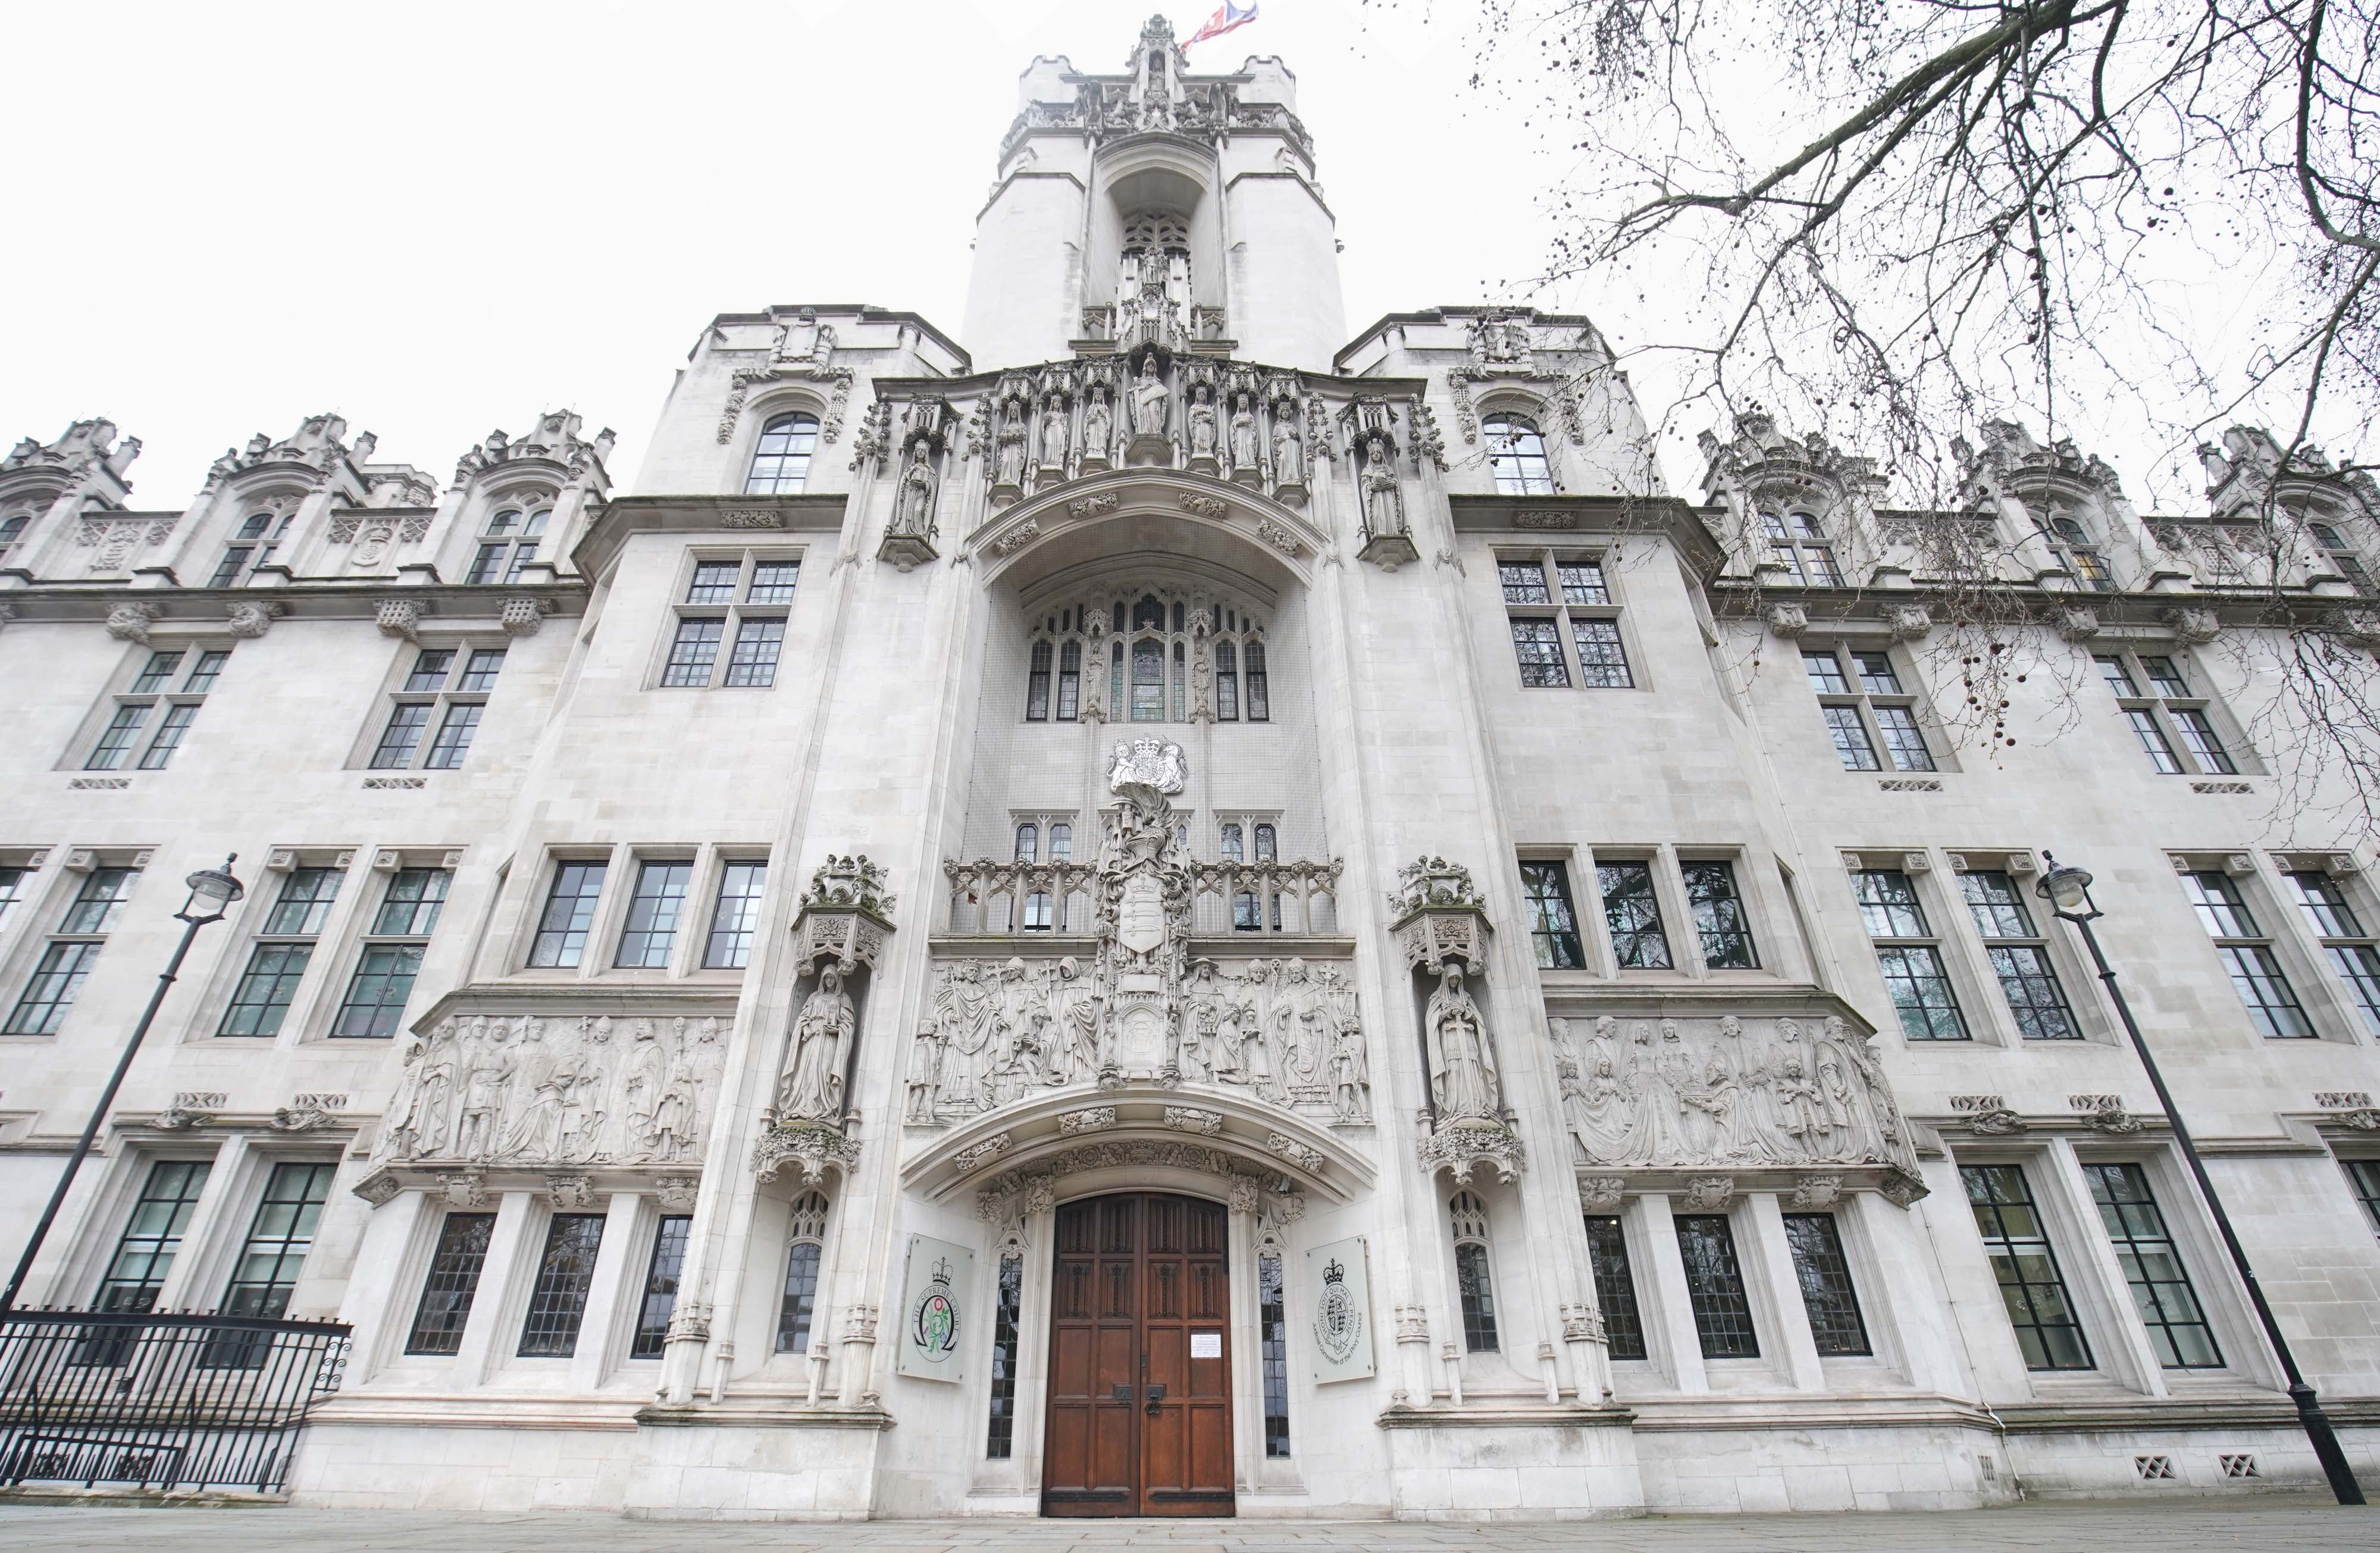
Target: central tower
(1155,206)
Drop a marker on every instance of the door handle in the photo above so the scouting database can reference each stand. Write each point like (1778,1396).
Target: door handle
(1155,1395)
(1122,1392)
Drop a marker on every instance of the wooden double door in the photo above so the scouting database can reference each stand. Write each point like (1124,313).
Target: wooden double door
(1140,1359)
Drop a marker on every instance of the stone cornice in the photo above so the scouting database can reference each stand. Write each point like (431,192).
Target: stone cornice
(2149,612)
(1556,520)
(208,609)
(753,517)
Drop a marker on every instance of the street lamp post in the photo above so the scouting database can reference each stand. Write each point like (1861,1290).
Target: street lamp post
(2068,890)
(213,891)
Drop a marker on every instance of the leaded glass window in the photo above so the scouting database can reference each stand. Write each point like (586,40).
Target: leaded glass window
(453,1284)
(662,1271)
(1632,913)
(1553,925)
(1715,1287)
(1720,922)
(2162,1295)
(2019,956)
(1910,956)
(1825,1273)
(2247,955)
(2032,1288)
(565,1271)
(1615,1286)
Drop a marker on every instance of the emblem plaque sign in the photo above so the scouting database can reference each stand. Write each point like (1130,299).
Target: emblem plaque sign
(934,1311)
(1339,1285)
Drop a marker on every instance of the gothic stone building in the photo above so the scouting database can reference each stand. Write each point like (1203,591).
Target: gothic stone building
(1152,910)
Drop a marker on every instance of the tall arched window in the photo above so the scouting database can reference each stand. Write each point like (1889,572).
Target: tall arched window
(1037,688)
(1231,845)
(2082,557)
(1472,1281)
(1268,846)
(1029,842)
(1798,543)
(1062,843)
(12,530)
(781,459)
(1155,661)
(800,1301)
(1149,680)
(1516,454)
(1070,680)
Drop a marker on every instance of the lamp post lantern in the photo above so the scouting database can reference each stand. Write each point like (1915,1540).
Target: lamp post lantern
(2068,890)
(213,892)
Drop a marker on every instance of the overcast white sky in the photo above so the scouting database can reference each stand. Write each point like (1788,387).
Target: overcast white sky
(437,218)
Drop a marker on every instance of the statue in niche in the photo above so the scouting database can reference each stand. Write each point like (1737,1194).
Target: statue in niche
(420,1127)
(912,512)
(1201,419)
(1287,452)
(1010,461)
(485,1085)
(1053,434)
(811,1086)
(1244,436)
(1148,395)
(1384,507)
(1099,425)
(925,1073)
(536,1126)
(1461,1073)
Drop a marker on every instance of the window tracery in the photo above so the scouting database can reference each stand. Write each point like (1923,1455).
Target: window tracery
(1171,658)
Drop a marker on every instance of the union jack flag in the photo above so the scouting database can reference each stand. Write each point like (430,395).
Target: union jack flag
(1229,16)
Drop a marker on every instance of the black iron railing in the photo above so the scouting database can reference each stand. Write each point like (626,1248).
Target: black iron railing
(159,1401)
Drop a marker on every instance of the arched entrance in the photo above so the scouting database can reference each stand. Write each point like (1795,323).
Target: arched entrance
(1140,1368)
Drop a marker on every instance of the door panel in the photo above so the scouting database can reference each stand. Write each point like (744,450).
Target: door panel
(1140,1418)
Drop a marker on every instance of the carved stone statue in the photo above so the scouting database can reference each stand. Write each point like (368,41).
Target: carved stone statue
(1461,1071)
(1053,434)
(1384,506)
(1351,1082)
(811,1086)
(1244,435)
(1148,396)
(1010,468)
(1098,426)
(1201,419)
(1287,452)
(913,514)
(484,1083)
(420,1127)
(925,1073)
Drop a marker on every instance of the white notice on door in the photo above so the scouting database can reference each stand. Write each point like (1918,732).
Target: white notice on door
(1205,1345)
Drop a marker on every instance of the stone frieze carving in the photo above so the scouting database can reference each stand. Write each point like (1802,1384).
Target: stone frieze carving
(1278,1030)
(1685,1093)
(533,1089)
(1141,1010)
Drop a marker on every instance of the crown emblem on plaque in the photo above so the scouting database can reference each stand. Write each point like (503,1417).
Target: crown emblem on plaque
(1335,1271)
(1147,762)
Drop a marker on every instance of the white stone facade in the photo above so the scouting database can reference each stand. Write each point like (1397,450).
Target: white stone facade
(1331,712)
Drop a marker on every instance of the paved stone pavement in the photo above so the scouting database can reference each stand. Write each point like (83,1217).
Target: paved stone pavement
(2269,1525)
